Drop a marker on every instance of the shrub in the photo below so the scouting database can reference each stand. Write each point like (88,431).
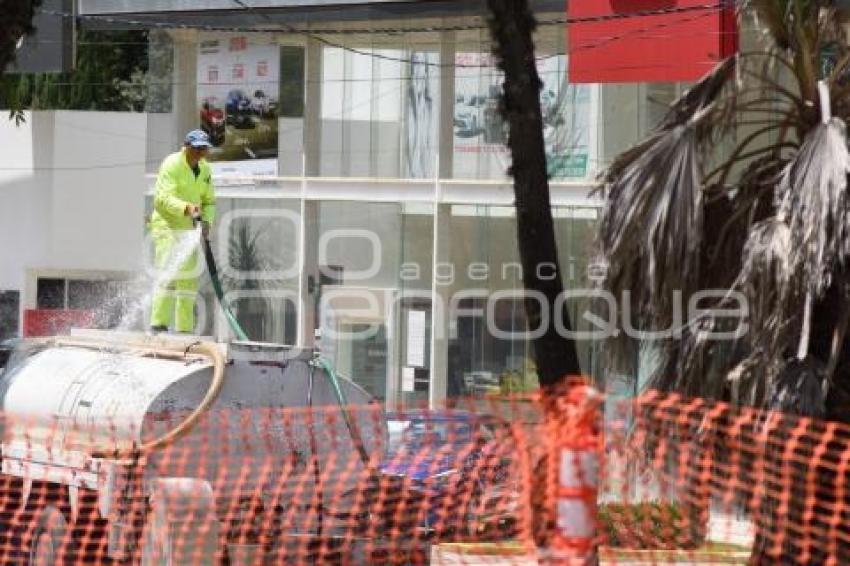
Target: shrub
(648,525)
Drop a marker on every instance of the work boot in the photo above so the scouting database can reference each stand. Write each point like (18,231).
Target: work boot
(158,329)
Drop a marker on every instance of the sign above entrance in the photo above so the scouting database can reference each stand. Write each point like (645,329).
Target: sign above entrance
(619,41)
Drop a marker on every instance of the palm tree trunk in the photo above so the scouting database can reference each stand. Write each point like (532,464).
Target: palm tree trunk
(511,26)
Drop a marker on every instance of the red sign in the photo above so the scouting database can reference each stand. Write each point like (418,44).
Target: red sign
(617,41)
(50,322)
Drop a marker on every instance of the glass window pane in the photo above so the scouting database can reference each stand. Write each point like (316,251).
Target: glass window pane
(485,260)
(380,111)
(375,301)
(50,293)
(87,294)
(575,231)
(480,134)
(292,81)
(260,266)
(488,347)
(10,302)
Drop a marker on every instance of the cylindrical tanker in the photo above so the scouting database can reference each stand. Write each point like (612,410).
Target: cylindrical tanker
(239,425)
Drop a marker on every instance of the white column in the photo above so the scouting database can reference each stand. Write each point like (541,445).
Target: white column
(447,104)
(440,315)
(185,92)
(308,284)
(313,109)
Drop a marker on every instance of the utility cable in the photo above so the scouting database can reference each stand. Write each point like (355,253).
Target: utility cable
(373,30)
(609,17)
(315,35)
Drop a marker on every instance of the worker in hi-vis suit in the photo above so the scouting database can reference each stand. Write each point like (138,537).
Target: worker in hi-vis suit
(184,195)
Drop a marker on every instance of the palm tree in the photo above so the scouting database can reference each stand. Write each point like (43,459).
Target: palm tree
(512,24)
(742,188)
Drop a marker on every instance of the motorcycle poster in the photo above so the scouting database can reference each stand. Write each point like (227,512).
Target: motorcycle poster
(238,96)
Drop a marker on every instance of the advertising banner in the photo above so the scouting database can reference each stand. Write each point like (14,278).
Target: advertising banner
(480,134)
(238,100)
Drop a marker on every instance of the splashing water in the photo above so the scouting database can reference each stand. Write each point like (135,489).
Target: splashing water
(186,244)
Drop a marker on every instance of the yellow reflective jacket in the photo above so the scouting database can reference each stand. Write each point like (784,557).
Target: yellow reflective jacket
(176,187)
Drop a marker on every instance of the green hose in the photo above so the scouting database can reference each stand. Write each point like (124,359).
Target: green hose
(321,363)
(219,292)
(343,404)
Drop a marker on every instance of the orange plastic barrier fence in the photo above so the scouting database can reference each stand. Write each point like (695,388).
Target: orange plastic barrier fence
(261,486)
(771,484)
(484,482)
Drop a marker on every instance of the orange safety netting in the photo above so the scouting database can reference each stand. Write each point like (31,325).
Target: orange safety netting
(771,484)
(483,482)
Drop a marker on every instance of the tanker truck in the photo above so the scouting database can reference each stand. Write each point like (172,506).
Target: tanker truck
(173,450)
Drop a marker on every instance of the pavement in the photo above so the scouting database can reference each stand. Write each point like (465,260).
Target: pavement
(722,528)
(730,529)
(446,557)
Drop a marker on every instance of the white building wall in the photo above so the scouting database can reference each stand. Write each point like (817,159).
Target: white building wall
(99,185)
(25,197)
(72,188)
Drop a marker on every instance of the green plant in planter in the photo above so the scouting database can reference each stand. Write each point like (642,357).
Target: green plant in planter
(647,525)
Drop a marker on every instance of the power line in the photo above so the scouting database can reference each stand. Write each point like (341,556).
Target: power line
(329,43)
(445,65)
(599,123)
(315,34)
(374,30)
(609,17)
(375,79)
(602,41)
(591,45)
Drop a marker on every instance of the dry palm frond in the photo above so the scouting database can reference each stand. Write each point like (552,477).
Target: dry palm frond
(814,201)
(766,279)
(651,230)
(766,274)
(701,96)
(773,16)
(685,110)
(654,218)
(779,166)
(789,259)
(797,389)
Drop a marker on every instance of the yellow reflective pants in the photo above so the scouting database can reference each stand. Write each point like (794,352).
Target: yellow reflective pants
(174,298)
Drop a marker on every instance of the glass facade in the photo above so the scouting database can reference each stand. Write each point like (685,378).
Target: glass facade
(381,300)
(374,262)
(379,112)
(258,243)
(388,231)
(489,350)
(480,134)
(402,106)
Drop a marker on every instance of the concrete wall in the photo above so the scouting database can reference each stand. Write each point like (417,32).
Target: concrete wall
(25,197)
(72,190)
